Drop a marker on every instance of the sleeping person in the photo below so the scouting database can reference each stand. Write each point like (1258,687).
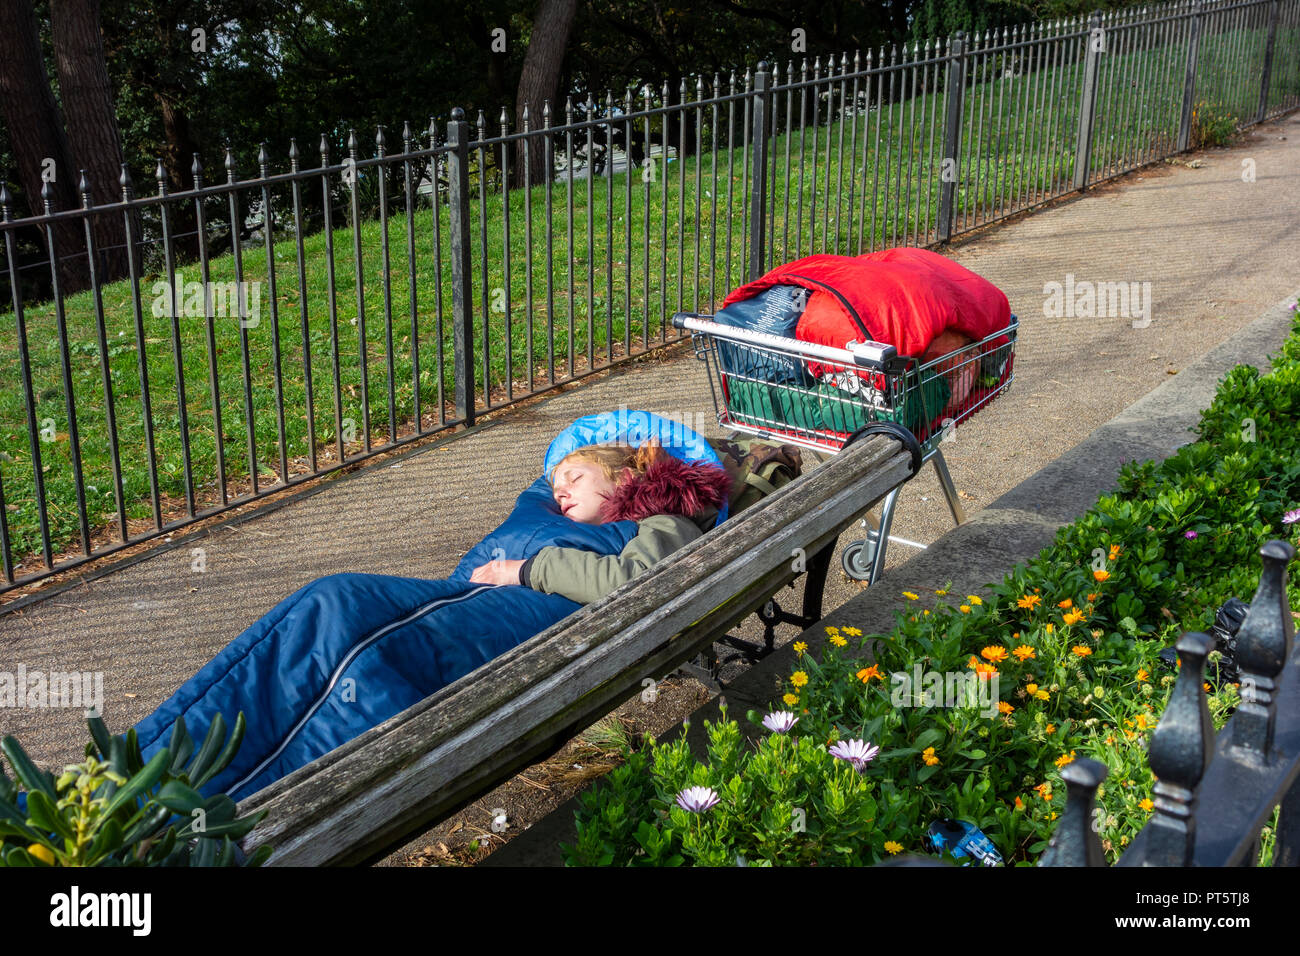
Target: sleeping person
(348,651)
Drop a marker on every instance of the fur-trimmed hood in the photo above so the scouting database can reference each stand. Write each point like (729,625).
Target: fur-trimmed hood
(669,486)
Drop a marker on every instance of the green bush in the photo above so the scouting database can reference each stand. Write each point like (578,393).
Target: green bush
(113,809)
(1069,641)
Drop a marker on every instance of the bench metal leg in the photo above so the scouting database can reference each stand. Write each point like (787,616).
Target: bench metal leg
(949,489)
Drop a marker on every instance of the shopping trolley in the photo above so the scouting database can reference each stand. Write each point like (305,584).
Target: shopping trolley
(819,397)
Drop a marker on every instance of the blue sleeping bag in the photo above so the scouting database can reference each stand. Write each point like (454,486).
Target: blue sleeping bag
(348,651)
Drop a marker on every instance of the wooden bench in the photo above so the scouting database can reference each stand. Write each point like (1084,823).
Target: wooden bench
(370,796)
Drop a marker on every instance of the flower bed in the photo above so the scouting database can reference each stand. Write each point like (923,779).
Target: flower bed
(977,703)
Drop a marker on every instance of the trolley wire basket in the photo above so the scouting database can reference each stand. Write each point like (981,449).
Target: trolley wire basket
(818,396)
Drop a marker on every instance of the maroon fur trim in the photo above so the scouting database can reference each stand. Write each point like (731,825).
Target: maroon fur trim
(669,486)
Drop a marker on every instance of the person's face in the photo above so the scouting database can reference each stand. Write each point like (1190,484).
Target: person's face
(580,488)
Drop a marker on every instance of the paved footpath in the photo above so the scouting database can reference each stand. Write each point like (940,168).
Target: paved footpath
(1218,252)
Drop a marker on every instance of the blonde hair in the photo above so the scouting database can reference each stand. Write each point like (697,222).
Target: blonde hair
(612,459)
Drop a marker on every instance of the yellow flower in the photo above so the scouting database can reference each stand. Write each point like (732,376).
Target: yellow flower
(928,756)
(1073,617)
(925,613)
(1023,653)
(975,599)
(1042,694)
(1052,815)
(42,853)
(1031,689)
(1081,651)
(867,673)
(994,654)
(910,596)
(1142,721)
(1102,575)
(1147,805)
(1005,707)
(892,848)
(1062,760)
(1206,686)
(1066,603)
(1142,675)
(832,630)
(965,608)
(800,646)
(838,641)
(1114,551)
(1050,628)
(941,592)
(799,678)
(1028,601)
(853,632)
(790,700)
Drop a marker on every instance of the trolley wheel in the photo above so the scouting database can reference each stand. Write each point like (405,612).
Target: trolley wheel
(858,558)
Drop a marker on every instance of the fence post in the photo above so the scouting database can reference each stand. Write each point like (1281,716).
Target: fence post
(1179,752)
(1096,47)
(951,161)
(461,264)
(1075,841)
(1189,80)
(758,170)
(1268,61)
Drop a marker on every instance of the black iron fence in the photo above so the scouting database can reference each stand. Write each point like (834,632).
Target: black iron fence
(168,357)
(1214,794)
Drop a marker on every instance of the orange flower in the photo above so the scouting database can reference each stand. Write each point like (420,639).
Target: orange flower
(1066,603)
(928,756)
(1147,805)
(1142,675)
(1028,601)
(867,673)
(1023,652)
(1114,551)
(1031,689)
(1051,729)
(1005,707)
(1044,790)
(1102,575)
(1073,617)
(1093,596)
(1020,804)
(985,671)
(1081,651)
(994,654)
(1062,760)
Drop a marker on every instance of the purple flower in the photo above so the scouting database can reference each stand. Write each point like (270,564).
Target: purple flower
(857,752)
(1189,535)
(780,722)
(697,799)
(1291,517)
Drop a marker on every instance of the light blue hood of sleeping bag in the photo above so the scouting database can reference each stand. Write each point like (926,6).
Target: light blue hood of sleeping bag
(348,651)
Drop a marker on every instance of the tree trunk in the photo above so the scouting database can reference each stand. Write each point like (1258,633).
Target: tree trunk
(92,121)
(36,131)
(539,81)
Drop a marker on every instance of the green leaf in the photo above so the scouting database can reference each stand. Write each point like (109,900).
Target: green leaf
(29,775)
(210,750)
(150,774)
(42,812)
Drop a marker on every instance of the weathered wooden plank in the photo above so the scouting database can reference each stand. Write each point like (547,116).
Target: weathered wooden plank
(354,803)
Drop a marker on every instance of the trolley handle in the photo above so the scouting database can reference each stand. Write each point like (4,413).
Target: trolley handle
(874,355)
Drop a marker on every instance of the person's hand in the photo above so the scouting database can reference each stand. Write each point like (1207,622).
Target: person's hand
(497,572)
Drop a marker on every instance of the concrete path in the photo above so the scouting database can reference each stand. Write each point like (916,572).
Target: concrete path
(1216,250)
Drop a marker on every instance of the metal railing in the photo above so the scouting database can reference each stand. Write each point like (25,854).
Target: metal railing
(228,341)
(1214,794)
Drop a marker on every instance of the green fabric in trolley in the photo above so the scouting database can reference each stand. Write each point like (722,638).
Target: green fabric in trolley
(828,408)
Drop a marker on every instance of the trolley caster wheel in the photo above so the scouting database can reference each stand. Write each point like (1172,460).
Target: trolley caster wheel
(858,558)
